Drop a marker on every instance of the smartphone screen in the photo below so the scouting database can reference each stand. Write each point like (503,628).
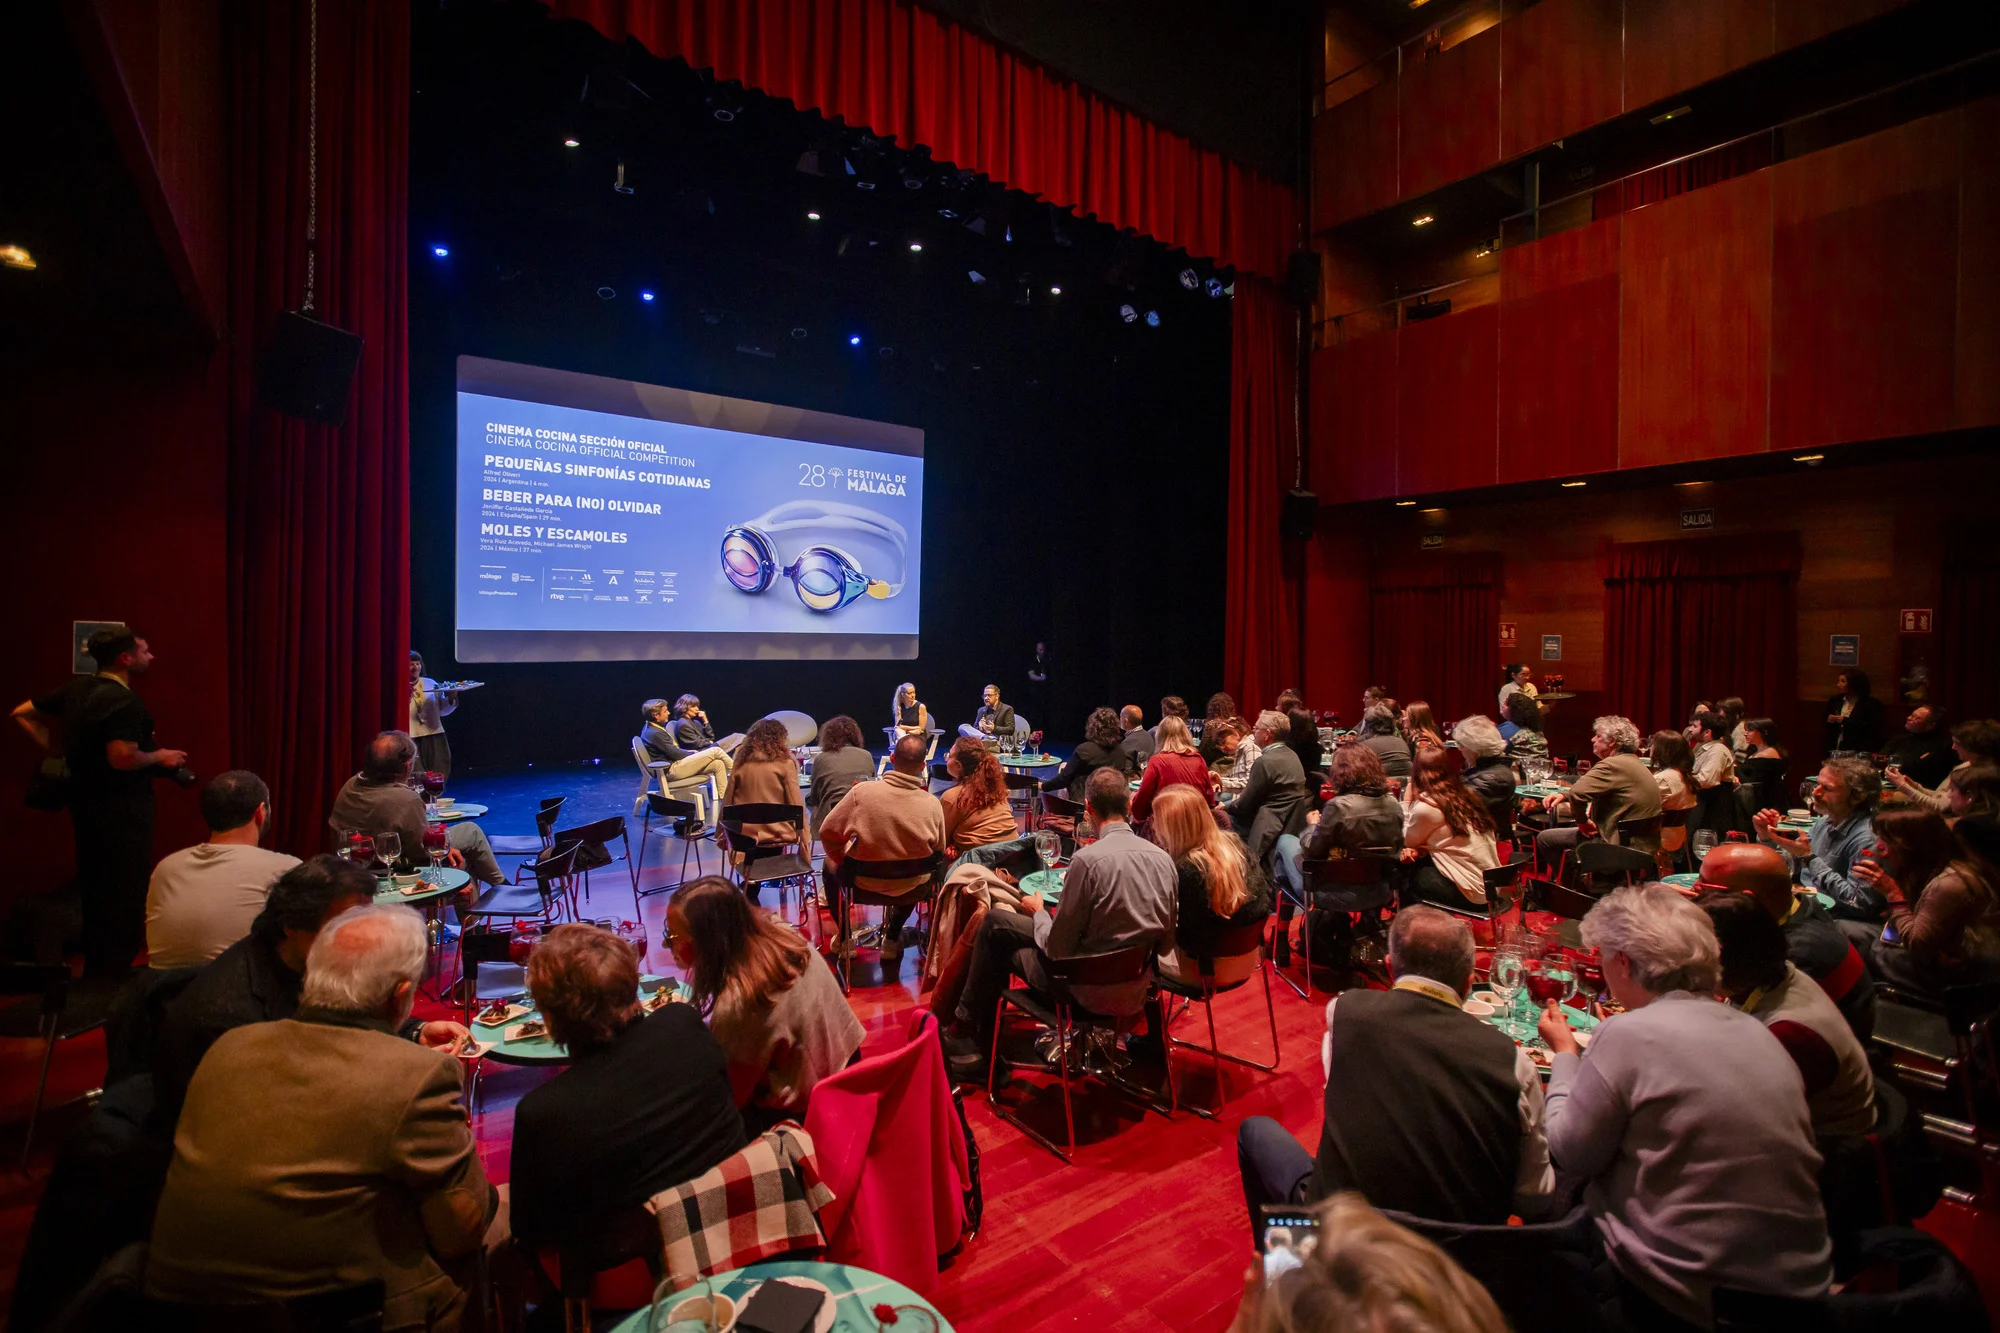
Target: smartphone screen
(1286,1236)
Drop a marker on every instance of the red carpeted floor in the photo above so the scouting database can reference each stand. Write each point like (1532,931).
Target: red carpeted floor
(1145,1231)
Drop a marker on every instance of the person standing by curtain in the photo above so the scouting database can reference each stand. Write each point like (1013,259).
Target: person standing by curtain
(428,706)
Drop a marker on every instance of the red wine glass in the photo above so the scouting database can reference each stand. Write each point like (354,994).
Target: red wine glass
(437,845)
(361,849)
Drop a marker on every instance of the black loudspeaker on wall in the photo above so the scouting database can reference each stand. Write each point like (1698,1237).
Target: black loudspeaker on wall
(1300,513)
(1302,277)
(308,369)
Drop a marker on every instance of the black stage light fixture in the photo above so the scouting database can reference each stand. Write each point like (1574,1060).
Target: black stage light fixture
(619,182)
(1190,280)
(308,369)
(1299,515)
(1152,319)
(1213,287)
(1128,314)
(607,293)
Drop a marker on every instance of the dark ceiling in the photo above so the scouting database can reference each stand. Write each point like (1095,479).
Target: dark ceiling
(1230,76)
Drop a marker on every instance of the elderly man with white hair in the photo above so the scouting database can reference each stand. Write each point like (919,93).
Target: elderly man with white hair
(1274,802)
(323,1151)
(1618,788)
(1488,771)
(1688,1123)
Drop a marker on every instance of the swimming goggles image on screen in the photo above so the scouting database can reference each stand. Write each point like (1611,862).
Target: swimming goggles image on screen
(825,577)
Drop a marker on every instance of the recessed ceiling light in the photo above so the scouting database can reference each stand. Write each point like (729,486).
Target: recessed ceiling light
(1418,4)
(1675,114)
(916,247)
(16,256)
(1055,291)
(1572,485)
(1422,220)
(1807,458)
(572,143)
(1404,504)
(812,217)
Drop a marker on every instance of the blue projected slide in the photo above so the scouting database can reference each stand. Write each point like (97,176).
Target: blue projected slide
(605,520)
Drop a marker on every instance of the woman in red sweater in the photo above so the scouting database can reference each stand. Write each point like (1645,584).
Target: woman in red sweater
(1175,762)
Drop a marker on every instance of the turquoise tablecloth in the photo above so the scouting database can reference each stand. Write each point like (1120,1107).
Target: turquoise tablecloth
(855,1293)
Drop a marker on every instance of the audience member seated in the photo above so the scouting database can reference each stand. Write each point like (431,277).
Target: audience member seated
(693,731)
(1938,883)
(1361,812)
(1378,733)
(1137,743)
(1759,980)
(1735,733)
(1099,749)
(1974,790)
(1221,708)
(993,721)
(975,807)
(1302,735)
(771,1001)
(1975,742)
(1714,762)
(1923,751)
(1488,771)
(1428,1110)
(379,798)
(203,899)
(644,1104)
(1813,939)
(1365,1274)
(1845,796)
(896,819)
(1420,727)
(1617,788)
(320,1150)
(1219,889)
(1687,1122)
(1524,729)
(1760,740)
(1447,834)
(1172,706)
(257,979)
(764,774)
(682,763)
(1673,773)
(1120,891)
(1856,722)
(842,762)
(1274,802)
(1236,755)
(908,713)
(1175,762)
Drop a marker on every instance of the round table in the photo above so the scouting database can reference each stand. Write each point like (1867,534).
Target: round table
(1029,761)
(855,1293)
(1047,883)
(540,1050)
(459,810)
(437,883)
(1688,879)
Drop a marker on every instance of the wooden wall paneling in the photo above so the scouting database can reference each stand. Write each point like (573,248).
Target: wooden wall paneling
(1694,331)
(1864,289)
(1561,70)
(1673,45)
(1796,22)
(1450,114)
(1448,383)
(1977,345)
(1355,162)
(1558,355)
(1354,424)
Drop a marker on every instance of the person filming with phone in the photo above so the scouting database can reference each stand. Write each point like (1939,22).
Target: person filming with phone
(107,734)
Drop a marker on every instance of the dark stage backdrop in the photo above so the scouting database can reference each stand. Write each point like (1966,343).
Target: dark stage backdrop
(1087,509)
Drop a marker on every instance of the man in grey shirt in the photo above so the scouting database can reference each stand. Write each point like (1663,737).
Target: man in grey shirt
(1118,892)
(378,799)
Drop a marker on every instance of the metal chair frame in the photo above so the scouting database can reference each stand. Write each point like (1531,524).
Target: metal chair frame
(846,895)
(1026,785)
(789,862)
(600,832)
(507,844)
(1102,969)
(51,981)
(1231,944)
(670,811)
(1365,868)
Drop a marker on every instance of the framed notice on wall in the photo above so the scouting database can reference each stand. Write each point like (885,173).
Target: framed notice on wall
(1552,647)
(82,663)
(1844,650)
(1510,634)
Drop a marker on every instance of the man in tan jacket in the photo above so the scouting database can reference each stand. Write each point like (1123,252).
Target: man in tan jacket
(896,819)
(323,1151)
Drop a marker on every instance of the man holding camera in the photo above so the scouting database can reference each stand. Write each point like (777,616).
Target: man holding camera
(108,743)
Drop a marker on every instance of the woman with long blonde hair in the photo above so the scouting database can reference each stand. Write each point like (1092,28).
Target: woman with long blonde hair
(910,716)
(1219,889)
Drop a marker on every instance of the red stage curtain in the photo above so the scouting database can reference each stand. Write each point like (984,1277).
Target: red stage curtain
(319,559)
(1434,633)
(1260,653)
(911,75)
(1968,623)
(1702,619)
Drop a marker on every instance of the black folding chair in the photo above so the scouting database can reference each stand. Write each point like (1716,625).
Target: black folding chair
(779,864)
(1233,943)
(594,840)
(1355,885)
(1024,786)
(51,981)
(848,895)
(1601,862)
(1069,1020)
(530,848)
(677,817)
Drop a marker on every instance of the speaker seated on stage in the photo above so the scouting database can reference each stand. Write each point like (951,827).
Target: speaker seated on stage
(682,762)
(993,720)
(693,731)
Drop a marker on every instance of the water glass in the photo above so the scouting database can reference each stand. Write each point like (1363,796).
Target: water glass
(1048,846)
(666,1301)
(1703,843)
(1504,977)
(388,846)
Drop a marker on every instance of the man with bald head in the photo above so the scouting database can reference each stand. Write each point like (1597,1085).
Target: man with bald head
(893,819)
(1429,1110)
(1813,939)
(379,799)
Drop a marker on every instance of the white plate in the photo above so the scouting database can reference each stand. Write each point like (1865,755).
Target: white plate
(823,1322)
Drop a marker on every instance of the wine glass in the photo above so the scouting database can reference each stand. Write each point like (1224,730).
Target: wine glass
(361,849)
(1703,843)
(1504,976)
(432,786)
(1048,846)
(437,846)
(389,846)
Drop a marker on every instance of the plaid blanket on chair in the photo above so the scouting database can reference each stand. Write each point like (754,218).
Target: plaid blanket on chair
(759,1203)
